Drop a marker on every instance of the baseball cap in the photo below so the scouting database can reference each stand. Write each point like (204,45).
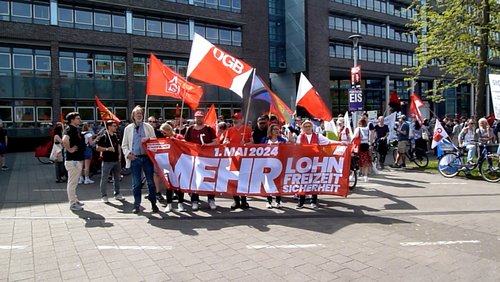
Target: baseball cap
(199,114)
(237,115)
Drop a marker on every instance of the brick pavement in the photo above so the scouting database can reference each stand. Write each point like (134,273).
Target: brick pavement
(409,226)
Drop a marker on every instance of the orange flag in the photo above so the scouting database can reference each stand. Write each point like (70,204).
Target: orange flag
(211,117)
(104,112)
(163,81)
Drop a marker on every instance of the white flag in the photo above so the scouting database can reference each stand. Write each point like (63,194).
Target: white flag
(439,134)
(390,120)
(347,124)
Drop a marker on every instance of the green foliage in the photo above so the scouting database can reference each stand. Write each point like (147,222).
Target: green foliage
(451,36)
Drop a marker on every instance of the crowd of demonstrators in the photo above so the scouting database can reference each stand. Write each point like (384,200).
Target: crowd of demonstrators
(201,134)
(136,159)
(3,146)
(110,148)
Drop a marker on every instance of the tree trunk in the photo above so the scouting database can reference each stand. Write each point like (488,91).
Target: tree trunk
(480,107)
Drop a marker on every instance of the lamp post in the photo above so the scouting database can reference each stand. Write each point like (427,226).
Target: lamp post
(355,41)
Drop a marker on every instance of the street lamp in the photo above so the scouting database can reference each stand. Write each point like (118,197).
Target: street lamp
(355,40)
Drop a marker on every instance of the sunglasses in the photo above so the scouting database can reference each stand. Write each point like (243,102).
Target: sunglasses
(152,121)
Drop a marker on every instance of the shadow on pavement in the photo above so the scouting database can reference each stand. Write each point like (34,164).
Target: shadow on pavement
(93,219)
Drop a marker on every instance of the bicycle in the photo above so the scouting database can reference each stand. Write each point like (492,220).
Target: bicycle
(42,153)
(416,155)
(452,163)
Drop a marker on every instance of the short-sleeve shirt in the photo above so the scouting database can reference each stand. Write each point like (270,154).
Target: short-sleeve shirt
(108,156)
(381,131)
(234,135)
(404,137)
(75,139)
(193,135)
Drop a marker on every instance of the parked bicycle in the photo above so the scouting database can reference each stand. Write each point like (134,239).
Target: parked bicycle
(452,163)
(416,155)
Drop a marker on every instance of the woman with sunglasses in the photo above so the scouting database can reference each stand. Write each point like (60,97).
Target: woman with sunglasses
(273,138)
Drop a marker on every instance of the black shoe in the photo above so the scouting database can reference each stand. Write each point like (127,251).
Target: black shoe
(136,210)
(155,208)
(403,165)
(245,205)
(235,205)
(159,197)
(395,166)
(299,206)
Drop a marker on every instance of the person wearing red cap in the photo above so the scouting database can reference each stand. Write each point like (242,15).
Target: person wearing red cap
(238,135)
(201,134)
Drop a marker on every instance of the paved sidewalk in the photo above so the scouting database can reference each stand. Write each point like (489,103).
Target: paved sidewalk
(401,225)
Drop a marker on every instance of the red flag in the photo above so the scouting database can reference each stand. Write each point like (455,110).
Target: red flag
(309,99)
(491,119)
(105,113)
(415,105)
(62,118)
(394,101)
(210,64)
(177,110)
(162,81)
(211,117)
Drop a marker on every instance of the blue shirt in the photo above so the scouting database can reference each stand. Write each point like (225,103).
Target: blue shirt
(404,137)
(137,143)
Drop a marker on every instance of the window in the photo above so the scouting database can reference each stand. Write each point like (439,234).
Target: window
(118,22)
(23,62)
(102,19)
(65,15)
(84,66)
(138,25)
(212,34)
(102,66)
(183,31)
(42,63)
(44,114)
(121,113)
(225,36)
(83,17)
(66,64)
(41,12)
(154,28)
(169,30)
(139,69)
(20,9)
(6,114)
(87,113)
(4,8)
(4,61)
(236,38)
(24,114)
(119,68)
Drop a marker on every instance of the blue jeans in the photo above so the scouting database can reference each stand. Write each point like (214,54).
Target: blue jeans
(139,165)
(471,152)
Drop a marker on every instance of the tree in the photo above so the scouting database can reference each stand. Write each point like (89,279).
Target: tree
(459,37)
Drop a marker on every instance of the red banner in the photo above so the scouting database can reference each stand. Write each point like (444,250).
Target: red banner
(255,170)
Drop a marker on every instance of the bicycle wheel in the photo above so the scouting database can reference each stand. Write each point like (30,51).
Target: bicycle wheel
(449,165)
(353,178)
(422,160)
(45,160)
(490,168)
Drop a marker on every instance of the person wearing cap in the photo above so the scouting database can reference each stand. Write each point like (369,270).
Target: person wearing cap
(309,137)
(201,134)
(109,146)
(134,135)
(403,133)
(238,135)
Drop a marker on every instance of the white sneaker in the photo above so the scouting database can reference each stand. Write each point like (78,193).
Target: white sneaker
(105,199)
(212,204)
(168,208)
(180,207)
(365,178)
(314,206)
(195,206)
(81,180)
(119,197)
(75,207)
(278,205)
(79,203)
(88,181)
(269,206)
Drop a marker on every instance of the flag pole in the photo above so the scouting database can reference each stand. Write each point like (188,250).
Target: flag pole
(248,108)
(146,107)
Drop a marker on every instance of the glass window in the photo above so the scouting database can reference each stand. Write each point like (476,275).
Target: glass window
(23,62)
(87,113)
(4,61)
(24,114)
(236,38)
(118,21)
(42,63)
(225,3)
(83,17)
(139,24)
(102,66)
(200,30)
(121,113)
(212,34)
(139,69)
(225,36)
(154,28)
(65,14)
(20,9)
(169,29)
(6,114)
(41,11)
(66,64)
(237,5)
(4,7)
(84,66)
(102,19)
(43,114)
(119,68)
(182,31)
